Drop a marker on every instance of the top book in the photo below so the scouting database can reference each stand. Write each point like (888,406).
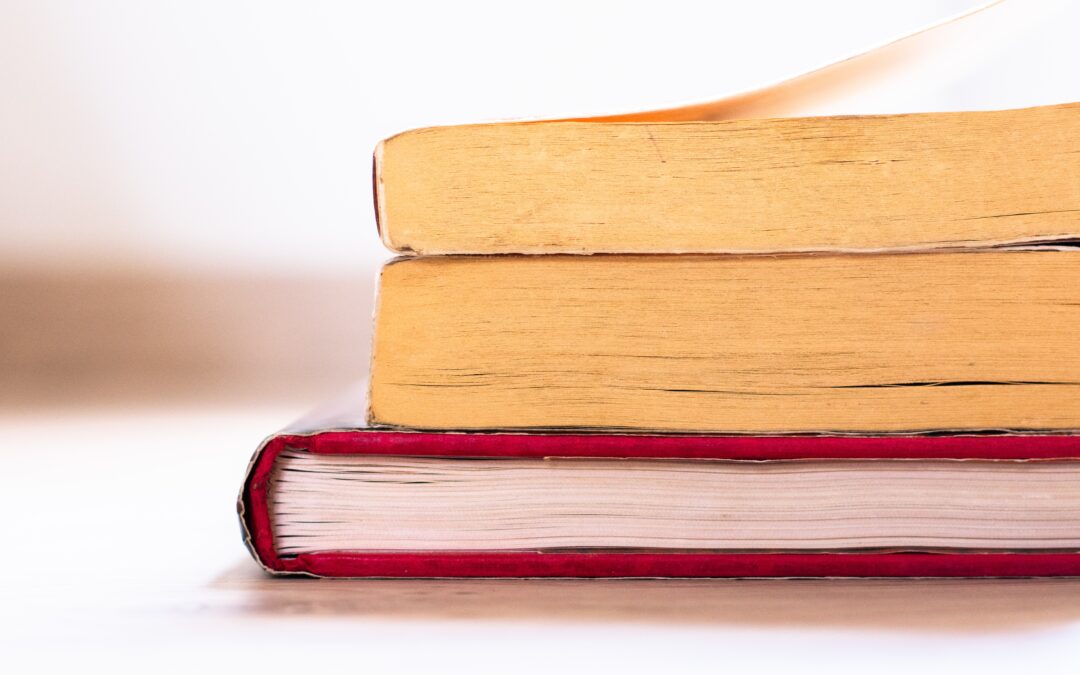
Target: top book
(851,183)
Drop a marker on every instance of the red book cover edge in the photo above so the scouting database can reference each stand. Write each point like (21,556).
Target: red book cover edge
(255,517)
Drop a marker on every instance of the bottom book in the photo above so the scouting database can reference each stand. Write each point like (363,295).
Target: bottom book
(331,497)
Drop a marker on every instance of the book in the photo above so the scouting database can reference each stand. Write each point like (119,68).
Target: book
(334,497)
(876,343)
(849,183)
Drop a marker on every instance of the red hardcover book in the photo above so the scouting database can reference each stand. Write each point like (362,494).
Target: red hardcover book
(331,497)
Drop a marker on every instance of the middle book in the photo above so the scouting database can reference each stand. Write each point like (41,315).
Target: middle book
(874,343)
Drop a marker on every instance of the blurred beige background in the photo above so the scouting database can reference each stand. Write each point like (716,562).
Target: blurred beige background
(184,187)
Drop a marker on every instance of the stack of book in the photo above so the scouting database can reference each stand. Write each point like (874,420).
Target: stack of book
(840,346)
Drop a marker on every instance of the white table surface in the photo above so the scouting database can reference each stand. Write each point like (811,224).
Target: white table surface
(123,552)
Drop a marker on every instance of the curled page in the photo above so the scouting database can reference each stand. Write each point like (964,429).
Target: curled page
(735,176)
